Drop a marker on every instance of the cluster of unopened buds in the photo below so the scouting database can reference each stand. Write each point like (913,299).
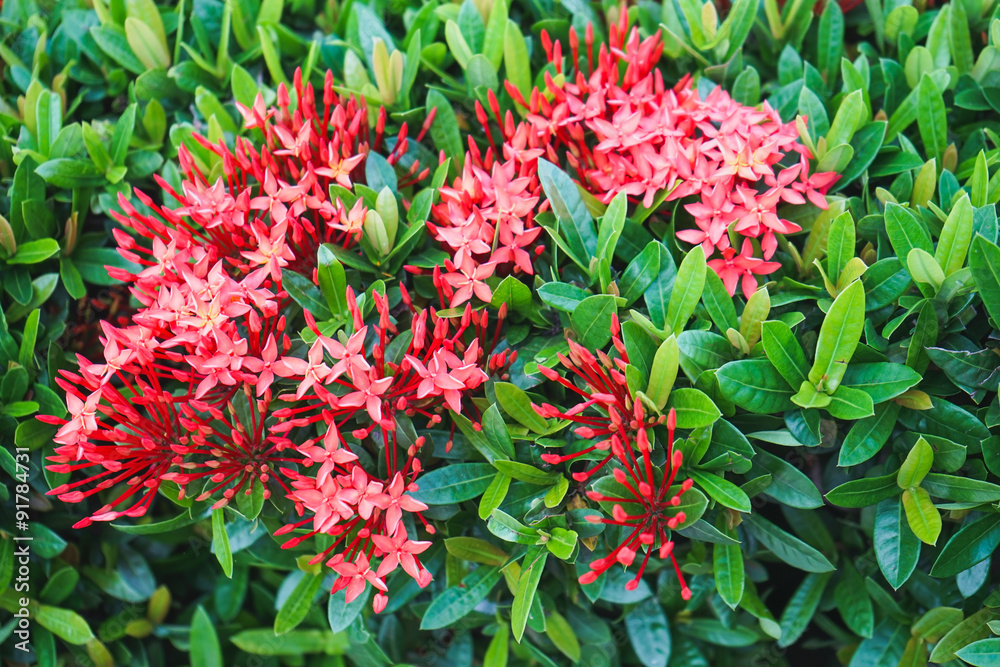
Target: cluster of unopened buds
(623,130)
(202,391)
(616,422)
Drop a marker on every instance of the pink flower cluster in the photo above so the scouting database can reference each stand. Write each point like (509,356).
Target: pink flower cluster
(486,218)
(625,131)
(202,391)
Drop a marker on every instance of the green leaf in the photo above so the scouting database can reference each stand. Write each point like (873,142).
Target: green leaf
(688,288)
(840,245)
(984,260)
(961,489)
(802,607)
(516,403)
(838,337)
(694,408)
(925,269)
(784,351)
(444,131)
(932,118)
(985,652)
(723,492)
(513,292)
(496,28)
(867,436)
(852,600)
(144,44)
(70,173)
(953,243)
(454,483)
(897,549)
(970,630)
(509,529)
(332,280)
(475,550)
(456,602)
(864,492)
(787,547)
(755,385)
(663,372)
(527,585)
(526,473)
(220,542)
(340,614)
(306,294)
(727,565)
(905,232)
(640,273)
(494,495)
(260,641)
(562,296)
(971,545)
(882,381)
(113,42)
(649,632)
(959,41)
(923,517)
(499,649)
(916,466)
(789,484)
(575,224)
(517,64)
(490,450)
(64,623)
(718,303)
(205,648)
(592,320)
(609,231)
(850,403)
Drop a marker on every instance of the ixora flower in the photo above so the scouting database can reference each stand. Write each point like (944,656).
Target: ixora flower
(643,500)
(486,218)
(624,130)
(442,363)
(271,207)
(609,414)
(644,507)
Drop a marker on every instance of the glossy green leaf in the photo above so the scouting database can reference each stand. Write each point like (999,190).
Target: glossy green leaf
(972,544)
(838,337)
(516,404)
(454,603)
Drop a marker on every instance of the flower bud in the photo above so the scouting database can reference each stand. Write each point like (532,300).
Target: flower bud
(386,206)
(7,239)
(376,233)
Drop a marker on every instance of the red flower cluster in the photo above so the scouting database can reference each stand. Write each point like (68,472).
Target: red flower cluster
(202,389)
(625,131)
(616,416)
(617,421)
(486,218)
(652,499)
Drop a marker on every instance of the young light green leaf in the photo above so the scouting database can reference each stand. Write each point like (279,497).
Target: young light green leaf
(953,244)
(924,519)
(663,372)
(916,465)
